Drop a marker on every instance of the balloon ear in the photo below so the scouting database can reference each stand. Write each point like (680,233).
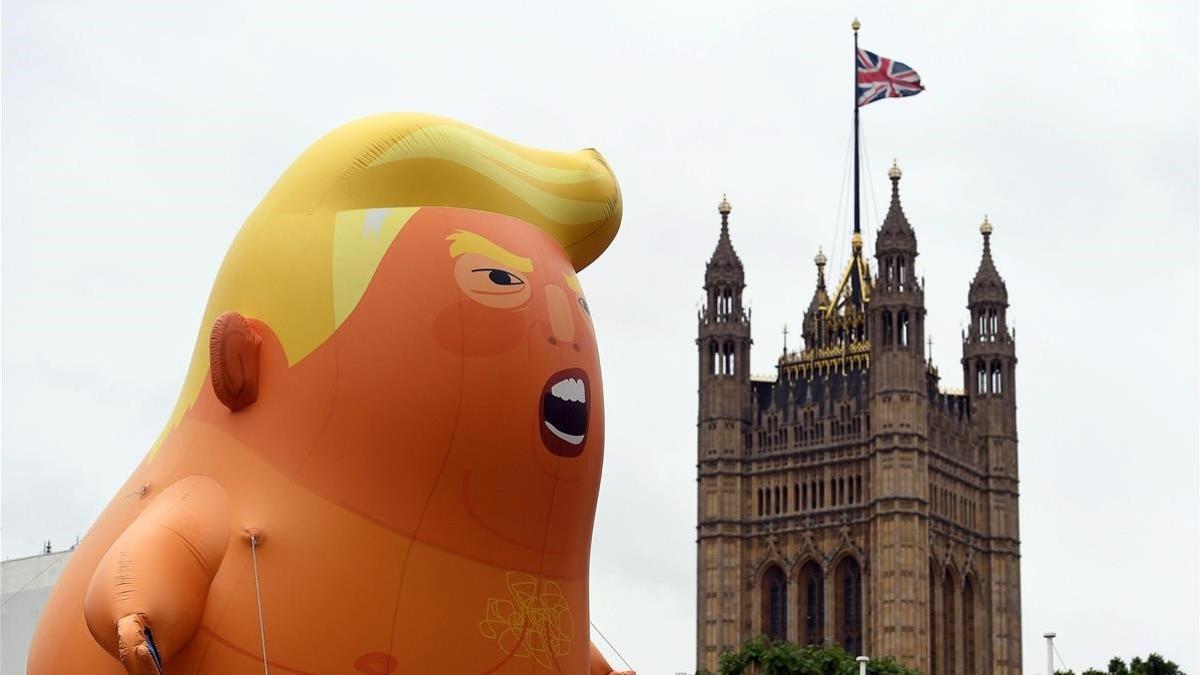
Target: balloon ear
(233,360)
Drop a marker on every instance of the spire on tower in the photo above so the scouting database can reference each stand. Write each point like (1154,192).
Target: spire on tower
(820,299)
(895,223)
(724,257)
(988,285)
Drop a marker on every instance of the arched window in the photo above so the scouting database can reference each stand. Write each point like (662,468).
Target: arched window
(888,273)
(981,378)
(849,605)
(778,504)
(858,488)
(997,376)
(760,501)
(949,589)
(714,358)
(982,323)
(902,328)
(812,605)
(796,497)
(727,368)
(993,323)
(774,604)
(887,327)
(901,274)
(969,626)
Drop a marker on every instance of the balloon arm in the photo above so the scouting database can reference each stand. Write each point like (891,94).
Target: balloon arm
(147,597)
(598,665)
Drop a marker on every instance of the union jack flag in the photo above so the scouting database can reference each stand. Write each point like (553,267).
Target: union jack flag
(884,78)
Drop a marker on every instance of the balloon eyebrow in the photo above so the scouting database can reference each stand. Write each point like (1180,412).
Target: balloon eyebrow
(463,241)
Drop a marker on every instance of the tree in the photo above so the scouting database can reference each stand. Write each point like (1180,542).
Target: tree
(762,657)
(1154,664)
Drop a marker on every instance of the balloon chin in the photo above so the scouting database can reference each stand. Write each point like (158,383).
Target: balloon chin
(564,411)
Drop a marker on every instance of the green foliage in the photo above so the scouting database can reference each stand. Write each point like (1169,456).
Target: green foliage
(1154,664)
(762,657)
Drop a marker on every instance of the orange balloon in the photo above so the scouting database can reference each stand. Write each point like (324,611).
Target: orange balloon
(387,454)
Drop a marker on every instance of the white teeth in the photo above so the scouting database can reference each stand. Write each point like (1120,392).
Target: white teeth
(573,440)
(570,389)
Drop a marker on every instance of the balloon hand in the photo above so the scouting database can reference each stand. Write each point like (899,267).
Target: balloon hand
(135,646)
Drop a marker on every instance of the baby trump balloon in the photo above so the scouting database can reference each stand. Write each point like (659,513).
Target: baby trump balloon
(388,448)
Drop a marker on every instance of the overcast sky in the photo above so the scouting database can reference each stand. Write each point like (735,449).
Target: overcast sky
(138,136)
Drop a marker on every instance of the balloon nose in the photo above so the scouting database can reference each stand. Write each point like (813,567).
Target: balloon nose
(562,323)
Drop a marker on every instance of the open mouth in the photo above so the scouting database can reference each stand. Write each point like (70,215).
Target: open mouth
(564,412)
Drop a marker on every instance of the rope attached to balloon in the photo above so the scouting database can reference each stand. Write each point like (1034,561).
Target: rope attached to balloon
(254,536)
(610,645)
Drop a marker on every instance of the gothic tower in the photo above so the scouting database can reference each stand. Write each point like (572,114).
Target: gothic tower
(898,440)
(722,425)
(851,498)
(989,370)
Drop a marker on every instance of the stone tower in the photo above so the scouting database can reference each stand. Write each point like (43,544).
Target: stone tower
(989,369)
(724,347)
(851,498)
(898,440)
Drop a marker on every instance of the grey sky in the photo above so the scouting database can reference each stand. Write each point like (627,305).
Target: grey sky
(138,136)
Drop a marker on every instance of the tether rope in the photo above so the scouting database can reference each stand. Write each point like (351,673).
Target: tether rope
(262,631)
(1060,658)
(610,646)
(35,577)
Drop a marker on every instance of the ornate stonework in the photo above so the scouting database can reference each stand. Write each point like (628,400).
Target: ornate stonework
(851,499)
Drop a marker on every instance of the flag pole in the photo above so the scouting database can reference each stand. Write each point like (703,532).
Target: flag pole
(855,25)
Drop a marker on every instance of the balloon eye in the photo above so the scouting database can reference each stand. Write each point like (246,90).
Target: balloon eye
(501,277)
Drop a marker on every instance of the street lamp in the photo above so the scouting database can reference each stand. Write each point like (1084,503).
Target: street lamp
(1049,652)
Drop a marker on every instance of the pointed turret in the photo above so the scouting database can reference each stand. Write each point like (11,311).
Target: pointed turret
(988,343)
(898,302)
(724,265)
(816,307)
(896,236)
(724,324)
(988,286)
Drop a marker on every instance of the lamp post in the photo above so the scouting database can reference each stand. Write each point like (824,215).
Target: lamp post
(1049,652)
(862,665)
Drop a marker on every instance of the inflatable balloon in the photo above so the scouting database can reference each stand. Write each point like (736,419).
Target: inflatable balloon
(387,451)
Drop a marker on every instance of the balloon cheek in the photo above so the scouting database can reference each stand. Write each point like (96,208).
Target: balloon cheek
(469,329)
